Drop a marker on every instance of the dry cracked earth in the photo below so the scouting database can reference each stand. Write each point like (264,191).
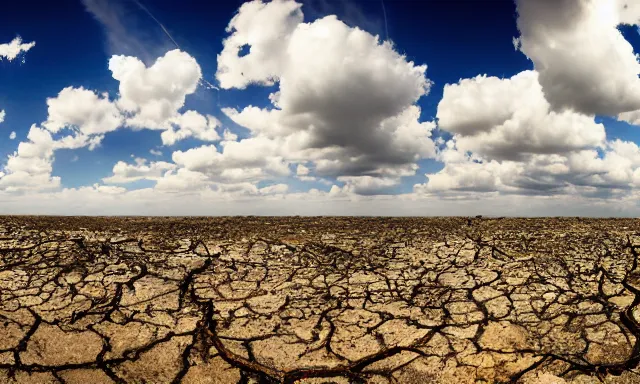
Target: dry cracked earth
(319,300)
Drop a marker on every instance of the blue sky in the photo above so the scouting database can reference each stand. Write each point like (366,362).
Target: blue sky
(543,125)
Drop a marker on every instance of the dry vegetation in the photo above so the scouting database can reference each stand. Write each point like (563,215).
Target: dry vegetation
(319,300)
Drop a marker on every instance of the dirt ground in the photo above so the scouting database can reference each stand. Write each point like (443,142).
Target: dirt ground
(319,300)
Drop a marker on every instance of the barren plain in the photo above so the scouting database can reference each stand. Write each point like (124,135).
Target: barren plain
(319,300)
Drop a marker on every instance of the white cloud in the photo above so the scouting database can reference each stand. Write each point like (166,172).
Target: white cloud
(204,166)
(510,118)
(22,181)
(249,160)
(346,101)
(189,124)
(345,108)
(302,170)
(2,115)
(628,11)
(107,189)
(616,171)
(196,158)
(13,49)
(182,180)
(632,117)
(12,135)
(81,117)
(266,28)
(331,76)
(274,189)
(83,110)
(30,166)
(229,136)
(366,185)
(151,96)
(583,60)
(126,173)
(535,133)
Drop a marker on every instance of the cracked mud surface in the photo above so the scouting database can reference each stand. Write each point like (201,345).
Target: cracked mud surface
(319,300)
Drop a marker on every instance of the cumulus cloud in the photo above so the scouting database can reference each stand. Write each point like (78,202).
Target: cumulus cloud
(302,170)
(273,189)
(303,173)
(344,108)
(346,100)
(584,62)
(266,29)
(126,173)
(151,96)
(535,133)
(365,185)
(82,110)
(205,166)
(631,117)
(510,119)
(14,48)
(80,116)
(616,169)
(249,160)
(191,124)
(182,180)
(2,115)
(30,166)
(227,135)
(12,135)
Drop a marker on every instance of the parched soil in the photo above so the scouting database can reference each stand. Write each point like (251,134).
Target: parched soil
(319,300)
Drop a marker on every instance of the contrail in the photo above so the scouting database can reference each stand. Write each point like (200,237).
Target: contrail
(146,10)
(384,12)
(157,22)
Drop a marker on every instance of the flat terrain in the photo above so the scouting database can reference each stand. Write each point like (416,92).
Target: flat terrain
(319,300)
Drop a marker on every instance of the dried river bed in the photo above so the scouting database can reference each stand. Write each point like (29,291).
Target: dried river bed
(319,300)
